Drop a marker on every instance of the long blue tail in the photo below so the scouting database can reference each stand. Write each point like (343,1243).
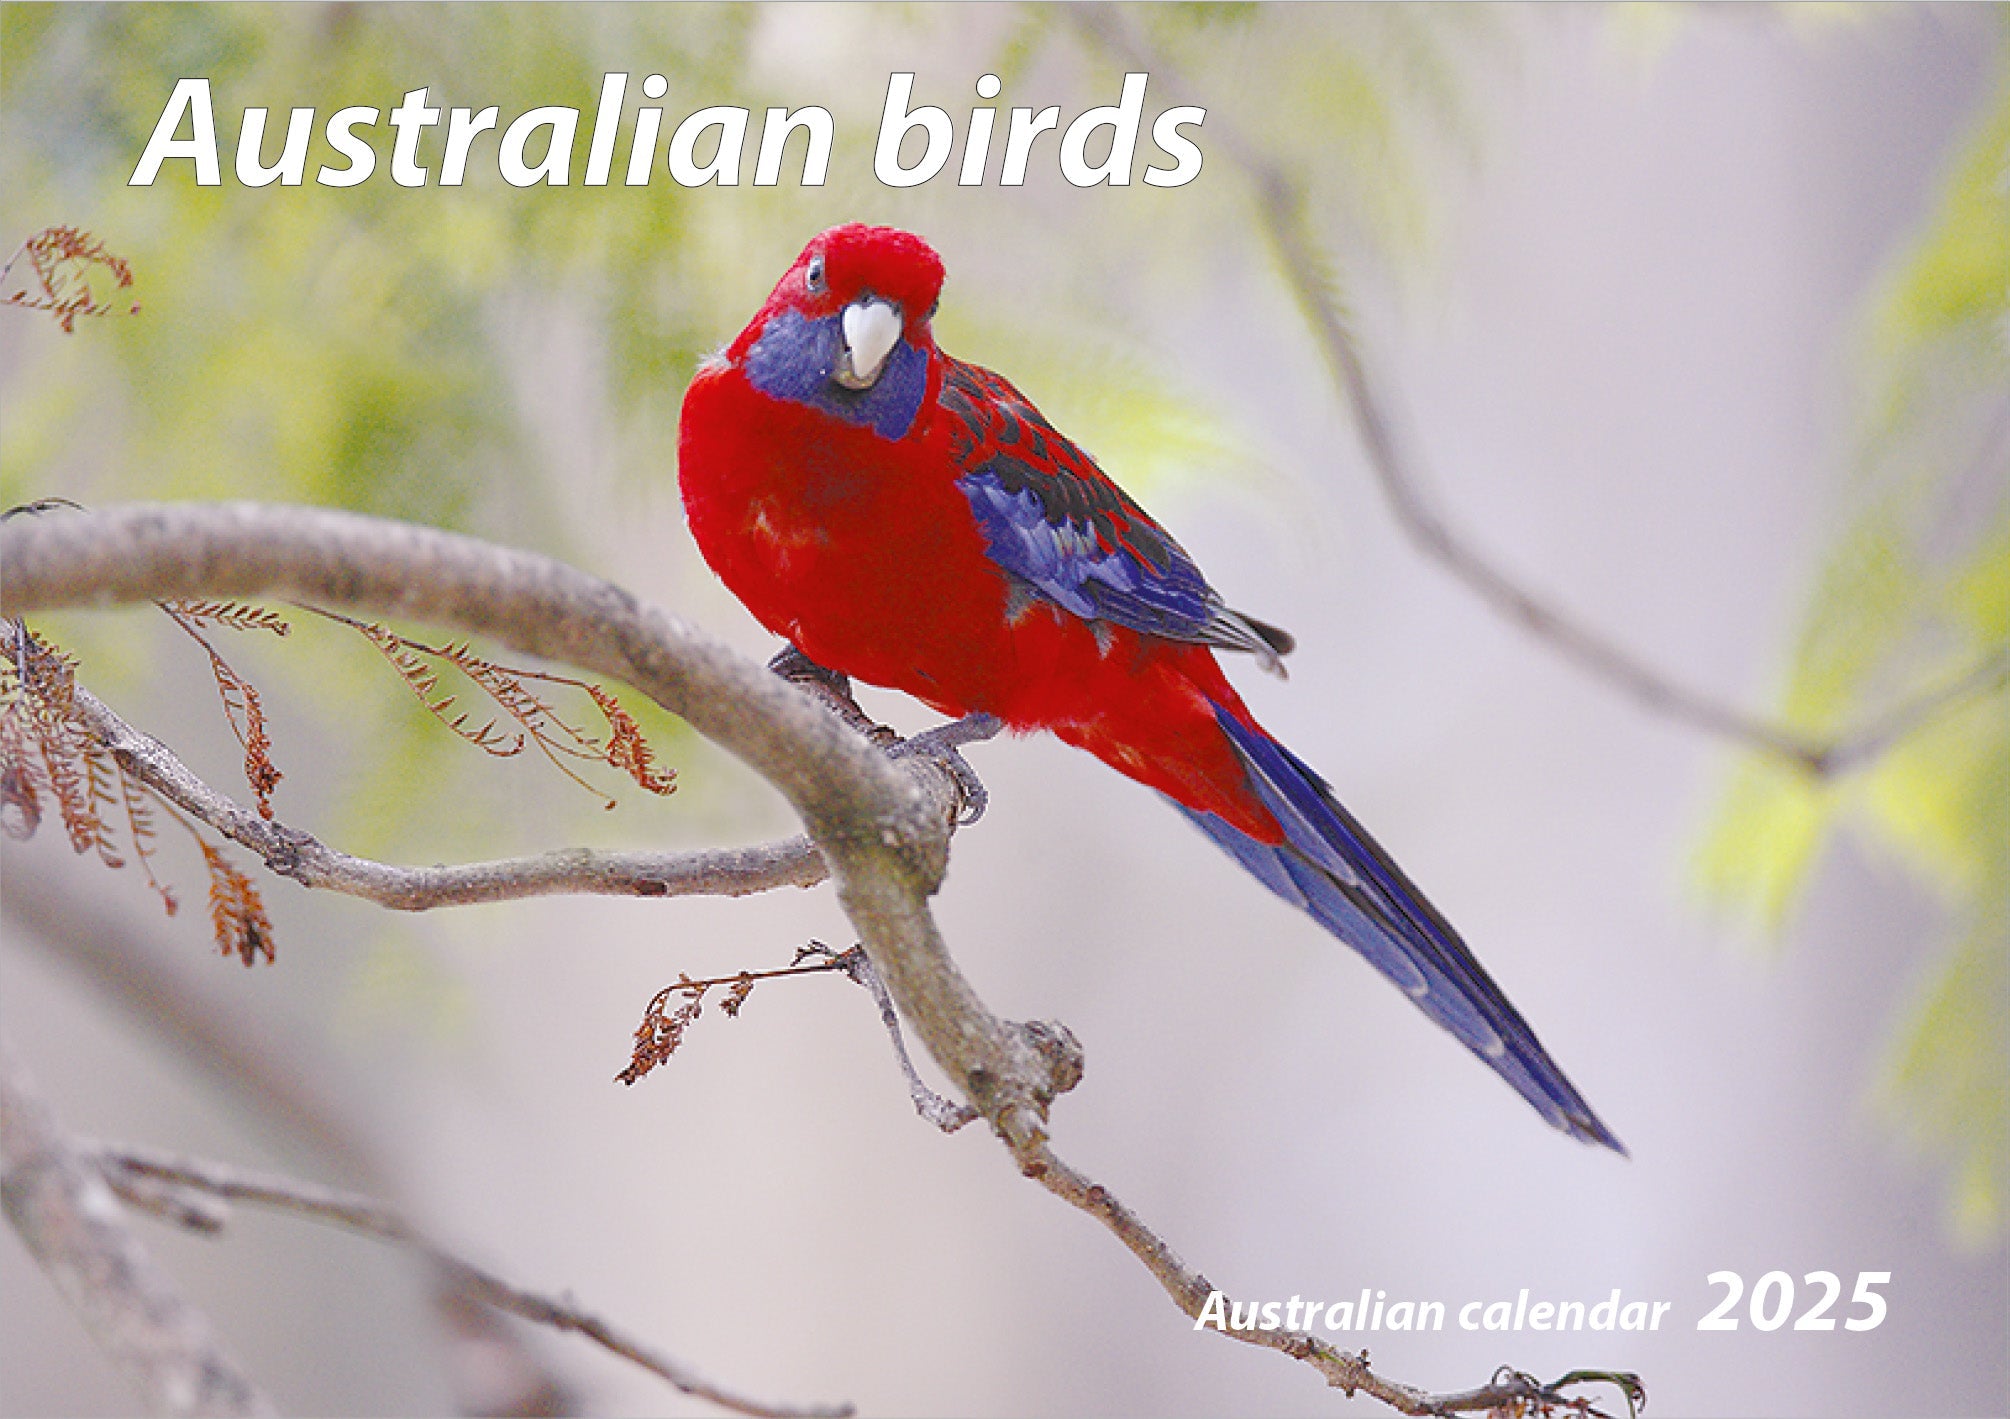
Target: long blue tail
(1329,866)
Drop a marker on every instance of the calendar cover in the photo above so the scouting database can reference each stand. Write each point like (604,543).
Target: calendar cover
(1004,709)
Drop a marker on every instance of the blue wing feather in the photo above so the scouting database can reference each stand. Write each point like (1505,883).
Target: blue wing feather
(1069,537)
(1055,522)
(1329,866)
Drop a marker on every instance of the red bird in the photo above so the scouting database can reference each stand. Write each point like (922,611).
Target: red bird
(909,519)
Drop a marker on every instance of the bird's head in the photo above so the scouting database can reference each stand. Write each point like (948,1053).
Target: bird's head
(846,329)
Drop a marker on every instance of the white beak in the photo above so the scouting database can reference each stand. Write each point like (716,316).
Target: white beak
(871,329)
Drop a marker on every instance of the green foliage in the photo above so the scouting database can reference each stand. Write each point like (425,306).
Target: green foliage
(1145,426)
(1915,592)
(354,348)
(334,348)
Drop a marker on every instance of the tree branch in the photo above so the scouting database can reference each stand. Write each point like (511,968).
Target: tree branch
(945,1114)
(264,1070)
(1281,211)
(1603,657)
(882,828)
(162,1183)
(1992,672)
(62,1209)
(291,852)
(1348,1373)
(493,1372)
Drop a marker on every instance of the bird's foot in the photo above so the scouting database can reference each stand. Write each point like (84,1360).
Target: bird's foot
(947,738)
(943,744)
(792,665)
(832,688)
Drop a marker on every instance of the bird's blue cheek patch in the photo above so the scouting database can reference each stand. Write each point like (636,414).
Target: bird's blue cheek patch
(794,359)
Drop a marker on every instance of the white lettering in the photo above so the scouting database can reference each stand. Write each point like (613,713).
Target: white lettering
(554,169)
(291,168)
(411,118)
(894,125)
(190,96)
(1213,1312)
(1122,121)
(1184,152)
(462,126)
(606,124)
(1026,126)
(775,137)
(341,137)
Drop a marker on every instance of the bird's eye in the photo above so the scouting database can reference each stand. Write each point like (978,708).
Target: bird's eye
(815,277)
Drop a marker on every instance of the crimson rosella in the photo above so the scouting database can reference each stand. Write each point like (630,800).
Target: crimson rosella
(911,520)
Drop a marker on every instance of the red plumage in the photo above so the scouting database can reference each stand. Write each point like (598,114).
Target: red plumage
(912,521)
(862,552)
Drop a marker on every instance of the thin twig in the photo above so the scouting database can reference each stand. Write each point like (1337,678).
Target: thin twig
(945,1114)
(1281,207)
(139,1174)
(299,855)
(664,1024)
(279,1077)
(1190,1291)
(803,965)
(294,853)
(1992,672)
(1605,658)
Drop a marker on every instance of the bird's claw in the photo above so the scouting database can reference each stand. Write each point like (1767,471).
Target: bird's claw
(943,744)
(792,665)
(832,689)
(940,743)
(947,738)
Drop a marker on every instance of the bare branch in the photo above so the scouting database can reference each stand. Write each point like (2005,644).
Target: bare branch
(883,829)
(163,1183)
(291,852)
(277,1075)
(1350,1374)
(1281,210)
(945,1114)
(280,1079)
(1605,658)
(64,1212)
(1991,673)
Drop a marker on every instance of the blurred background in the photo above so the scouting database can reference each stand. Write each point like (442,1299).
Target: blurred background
(1695,320)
